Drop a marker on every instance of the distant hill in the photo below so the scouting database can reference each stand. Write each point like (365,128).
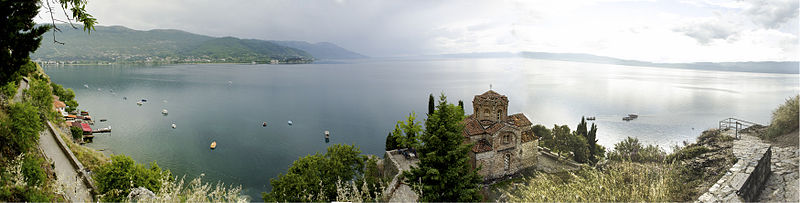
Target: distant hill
(117,44)
(322,50)
(791,67)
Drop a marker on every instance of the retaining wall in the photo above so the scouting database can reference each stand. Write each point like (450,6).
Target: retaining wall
(745,180)
(87,179)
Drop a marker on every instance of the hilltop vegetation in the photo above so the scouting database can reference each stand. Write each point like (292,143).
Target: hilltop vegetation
(117,44)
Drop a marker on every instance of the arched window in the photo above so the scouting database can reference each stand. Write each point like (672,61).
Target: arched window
(507,160)
(506,139)
(499,112)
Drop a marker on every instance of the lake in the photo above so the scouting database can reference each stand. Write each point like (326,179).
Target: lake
(359,102)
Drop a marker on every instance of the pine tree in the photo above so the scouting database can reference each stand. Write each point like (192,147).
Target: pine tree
(444,171)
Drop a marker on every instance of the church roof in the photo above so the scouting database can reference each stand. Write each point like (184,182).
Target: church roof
(520,120)
(494,128)
(482,145)
(491,95)
(472,127)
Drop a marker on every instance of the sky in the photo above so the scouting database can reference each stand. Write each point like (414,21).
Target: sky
(648,30)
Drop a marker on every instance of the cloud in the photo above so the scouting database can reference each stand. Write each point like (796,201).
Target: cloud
(772,13)
(707,30)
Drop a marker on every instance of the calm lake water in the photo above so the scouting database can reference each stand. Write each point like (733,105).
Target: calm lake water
(360,101)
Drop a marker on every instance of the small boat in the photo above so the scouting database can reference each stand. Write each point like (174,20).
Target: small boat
(174,126)
(144,100)
(98,89)
(124,98)
(633,115)
(264,124)
(327,134)
(214,145)
(86,85)
(627,118)
(103,120)
(164,111)
(290,122)
(590,118)
(139,103)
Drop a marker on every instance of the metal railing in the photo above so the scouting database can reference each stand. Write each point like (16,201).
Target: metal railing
(735,123)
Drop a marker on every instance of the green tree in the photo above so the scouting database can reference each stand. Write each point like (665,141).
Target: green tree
(77,132)
(314,177)
(546,136)
(115,180)
(595,151)
(561,135)
(632,150)
(32,170)
(461,105)
(430,104)
(407,132)
(40,96)
(21,36)
(391,141)
(444,171)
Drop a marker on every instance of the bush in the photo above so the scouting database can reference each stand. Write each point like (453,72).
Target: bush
(32,170)
(631,150)
(785,118)
(689,152)
(77,132)
(41,96)
(25,127)
(115,180)
(9,89)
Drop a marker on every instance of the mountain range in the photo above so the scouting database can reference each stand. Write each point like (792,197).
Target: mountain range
(118,44)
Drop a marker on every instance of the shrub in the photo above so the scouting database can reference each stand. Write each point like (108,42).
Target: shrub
(115,180)
(32,170)
(631,150)
(689,152)
(9,89)
(785,118)
(77,132)
(25,127)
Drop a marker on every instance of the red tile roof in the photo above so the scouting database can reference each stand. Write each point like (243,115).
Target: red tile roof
(482,145)
(520,120)
(59,104)
(472,127)
(494,128)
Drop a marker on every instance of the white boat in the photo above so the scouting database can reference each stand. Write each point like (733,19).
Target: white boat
(173,126)
(164,111)
(290,122)
(139,103)
(86,85)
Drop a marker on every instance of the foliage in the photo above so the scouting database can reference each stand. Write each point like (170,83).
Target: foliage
(619,182)
(431,104)
(314,177)
(33,171)
(174,190)
(631,150)
(115,180)
(24,127)
(391,141)
(689,152)
(65,95)
(444,172)
(77,132)
(546,136)
(20,36)
(40,95)
(407,132)
(785,118)
(9,89)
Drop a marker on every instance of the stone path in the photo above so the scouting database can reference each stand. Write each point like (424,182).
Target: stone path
(23,85)
(66,176)
(782,185)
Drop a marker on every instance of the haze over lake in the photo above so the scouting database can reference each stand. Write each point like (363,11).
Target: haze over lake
(359,102)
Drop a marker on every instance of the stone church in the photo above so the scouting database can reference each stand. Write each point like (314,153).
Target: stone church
(504,144)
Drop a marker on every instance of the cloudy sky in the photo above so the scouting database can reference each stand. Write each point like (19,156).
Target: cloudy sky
(650,30)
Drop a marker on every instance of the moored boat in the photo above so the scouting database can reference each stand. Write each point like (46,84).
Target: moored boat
(590,118)
(290,122)
(164,111)
(214,145)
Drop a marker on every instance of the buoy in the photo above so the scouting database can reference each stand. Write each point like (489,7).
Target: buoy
(214,145)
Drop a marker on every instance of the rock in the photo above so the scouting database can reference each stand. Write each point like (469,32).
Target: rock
(140,194)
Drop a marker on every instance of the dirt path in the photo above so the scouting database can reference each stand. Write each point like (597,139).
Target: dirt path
(23,85)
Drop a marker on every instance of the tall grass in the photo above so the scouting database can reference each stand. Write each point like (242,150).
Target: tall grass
(785,118)
(620,182)
(174,190)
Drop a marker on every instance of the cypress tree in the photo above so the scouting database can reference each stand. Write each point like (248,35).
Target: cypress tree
(444,172)
(430,104)
(461,105)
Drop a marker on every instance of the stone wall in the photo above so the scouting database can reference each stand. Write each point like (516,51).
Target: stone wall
(745,180)
(552,163)
(529,154)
